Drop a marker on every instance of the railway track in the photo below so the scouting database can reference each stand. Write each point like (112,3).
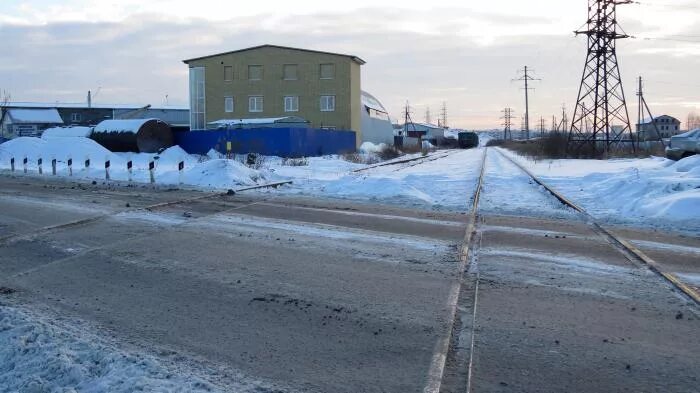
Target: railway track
(410,161)
(152,207)
(454,356)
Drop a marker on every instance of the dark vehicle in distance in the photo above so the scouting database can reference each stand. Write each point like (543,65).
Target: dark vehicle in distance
(468,140)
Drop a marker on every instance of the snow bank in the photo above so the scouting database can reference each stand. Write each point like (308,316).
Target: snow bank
(369,147)
(214,173)
(652,192)
(39,356)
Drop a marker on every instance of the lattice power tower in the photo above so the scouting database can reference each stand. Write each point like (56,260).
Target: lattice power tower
(601,120)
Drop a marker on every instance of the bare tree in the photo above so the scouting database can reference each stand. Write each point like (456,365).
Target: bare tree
(693,121)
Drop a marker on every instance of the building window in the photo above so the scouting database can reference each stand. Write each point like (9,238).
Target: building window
(290,72)
(197,98)
(228,104)
(327,71)
(255,104)
(75,117)
(228,73)
(327,103)
(291,104)
(255,72)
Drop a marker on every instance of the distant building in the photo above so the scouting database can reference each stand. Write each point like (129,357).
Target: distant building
(424,131)
(271,81)
(39,116)
(28,122)
(668,126)
(376,123)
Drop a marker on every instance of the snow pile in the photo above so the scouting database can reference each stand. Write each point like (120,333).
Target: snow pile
(652,191)
(38,356)
(67,132)
(212,173)
(369,147)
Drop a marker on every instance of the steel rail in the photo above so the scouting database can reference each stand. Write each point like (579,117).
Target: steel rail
(439,361)
(51,228)
(614,238)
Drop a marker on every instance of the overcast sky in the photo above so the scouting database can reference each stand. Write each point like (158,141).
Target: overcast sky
(464,52)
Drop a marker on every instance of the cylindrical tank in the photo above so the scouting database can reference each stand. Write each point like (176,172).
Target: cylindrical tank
(137,135)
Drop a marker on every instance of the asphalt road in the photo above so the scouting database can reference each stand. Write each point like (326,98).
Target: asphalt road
(331,296)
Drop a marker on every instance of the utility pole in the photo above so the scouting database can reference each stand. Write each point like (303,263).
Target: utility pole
(542,127)
(527,78)
(601,98)
(507,123)
(641,114)
(427,115)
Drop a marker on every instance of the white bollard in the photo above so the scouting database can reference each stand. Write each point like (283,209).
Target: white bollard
(12,164)
(38,163)
(107,164)
(53,166)
(70,166)
(181,169)
(151,170)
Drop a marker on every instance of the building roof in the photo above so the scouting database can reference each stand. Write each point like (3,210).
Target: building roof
(648,120)
(34,116)
(83,105)
(354,58)
(258,121)
(372,102)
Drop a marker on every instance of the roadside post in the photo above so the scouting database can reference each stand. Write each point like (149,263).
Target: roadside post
(12,164)
(87,164)
(151,171)
(53,167)
(229,147)
(25,164)
(129,167)
(70,167)
(38,164)
(107,164)
(180,169)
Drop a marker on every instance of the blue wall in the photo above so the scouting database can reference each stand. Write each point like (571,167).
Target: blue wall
(282,142)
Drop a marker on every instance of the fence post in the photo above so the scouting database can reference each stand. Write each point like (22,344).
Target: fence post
(107,164)
(129,166)
(53,167)
(151,170)
(70,167)
(39,162)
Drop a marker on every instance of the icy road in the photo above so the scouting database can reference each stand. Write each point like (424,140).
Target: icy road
(275,292)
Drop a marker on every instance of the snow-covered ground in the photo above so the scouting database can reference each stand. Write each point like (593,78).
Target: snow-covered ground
(38,354)
(654,192)
(507,189)
(444,184)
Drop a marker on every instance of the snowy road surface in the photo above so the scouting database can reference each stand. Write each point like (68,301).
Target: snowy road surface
(270,292)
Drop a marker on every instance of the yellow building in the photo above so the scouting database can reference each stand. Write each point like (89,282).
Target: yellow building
(271,81)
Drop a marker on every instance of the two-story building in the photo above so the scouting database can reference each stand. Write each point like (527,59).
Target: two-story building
(667,127)
(271,81)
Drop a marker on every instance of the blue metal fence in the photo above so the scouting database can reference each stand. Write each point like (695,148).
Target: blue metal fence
(282,142)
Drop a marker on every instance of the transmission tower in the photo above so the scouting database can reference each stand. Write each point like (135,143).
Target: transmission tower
(601,98)
(564,118)
(427,115)
(643,112)
(527,78)
(443,115)
(407,119)
(507,123)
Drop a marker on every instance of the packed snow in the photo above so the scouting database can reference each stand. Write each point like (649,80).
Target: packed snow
(653,191)
(39,355)
(199,172)
(444,184)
